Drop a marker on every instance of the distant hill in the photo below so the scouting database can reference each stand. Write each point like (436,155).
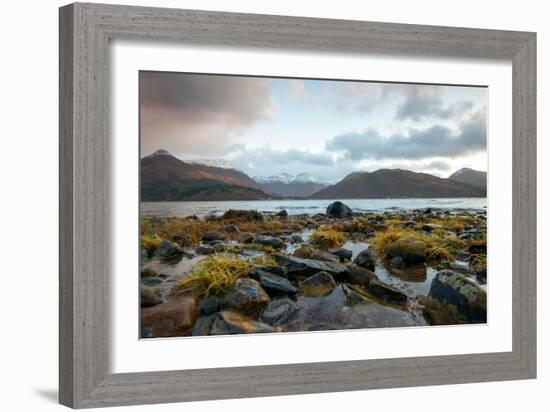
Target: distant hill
(287,185)
(396,183)
(166,178)
(470,176)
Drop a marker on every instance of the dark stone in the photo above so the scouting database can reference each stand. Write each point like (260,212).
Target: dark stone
(209,305)
(148,273)
(168,250)
(279,310)
(342,254)
(183,240)
(318,254)
(272,241)
(283,213)
(246,237)
(219,247)
(297,268)
(386,292)
(481,275)
(211,236)
(203,325)
(152,281)
(149,296)
(359,275)
(277,270)
(365,259)
(274,282)
(228,323)
(320,284)
(204,250)
(397,262)
(478,248)
(246,296)
(296,239)
(465,295)
(174,318)
(428,227)
(410,249)
(409,223)
(339,210)
(231,229)
(354,296)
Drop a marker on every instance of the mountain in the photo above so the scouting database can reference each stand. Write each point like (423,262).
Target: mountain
(166,178)
(470,176)
(396,183)
(301,185)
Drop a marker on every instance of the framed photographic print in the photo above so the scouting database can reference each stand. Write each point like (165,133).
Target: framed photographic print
(241,193)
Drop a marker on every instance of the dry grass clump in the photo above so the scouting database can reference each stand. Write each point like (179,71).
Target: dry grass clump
(150,242)
(236,249)
(264,260)
(327,237)
(213,275)
(246,215)
(382,239)
(478,261)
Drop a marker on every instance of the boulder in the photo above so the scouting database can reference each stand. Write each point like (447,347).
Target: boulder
(219,247)
(246,237)
(428,227)
(386,293)
(296,239)
(174,318)
(274,283)
(339,210)
(210,236)
(354,295)
(168,250)
(209,305)
(149,296)
(277,270)
(272,241)
(410,249)
(228,323)
(359,275)
(203,325)
(342,254)
(283,213)
(231,229)
(279,310)
(204,250)
(365,259)
(297,268)
(318,254)
(320,284)
(246,296)
(455,290)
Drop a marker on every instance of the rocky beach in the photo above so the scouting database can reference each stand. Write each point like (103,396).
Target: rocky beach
(248,271)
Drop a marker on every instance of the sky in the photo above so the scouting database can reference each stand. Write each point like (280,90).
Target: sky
(326,128)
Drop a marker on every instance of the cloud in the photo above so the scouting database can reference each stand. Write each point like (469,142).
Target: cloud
(197,112)
(419,104)
(434,141)
(266,156)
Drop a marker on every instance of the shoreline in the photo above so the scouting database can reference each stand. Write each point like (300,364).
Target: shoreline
(332,270)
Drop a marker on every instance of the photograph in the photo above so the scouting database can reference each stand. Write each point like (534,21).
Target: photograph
(280,205)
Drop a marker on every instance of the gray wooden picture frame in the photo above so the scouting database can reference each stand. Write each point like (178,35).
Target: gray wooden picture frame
(85,32)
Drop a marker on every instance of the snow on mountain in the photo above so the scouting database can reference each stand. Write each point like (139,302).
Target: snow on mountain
(285,178)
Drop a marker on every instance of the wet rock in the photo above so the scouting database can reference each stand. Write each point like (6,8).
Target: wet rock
(427,211)
(209,305)
(339,210)
(274,283)
(481,275)
(428,227)
(228,322)
(231,229)
(174,318)
(246,296)
(149,296)
(397,262)
(342,254)
(219,247)
(297,268)
(365,259)
(203,325)
(204,250)
(410,249)
(168,250)
(272,241)
(453,289)
(386,293)
(277,270)
(246,237)
(296,239)
(354,296)
(478,248)
(461,267)
(411,273)
(359,275)
(212,236)
(320,284)
(278,311)
(152,281)
(318,254)
(148,273)
(283,213)
(183,240)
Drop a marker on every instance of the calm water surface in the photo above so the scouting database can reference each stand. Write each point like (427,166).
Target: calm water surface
(298,207)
